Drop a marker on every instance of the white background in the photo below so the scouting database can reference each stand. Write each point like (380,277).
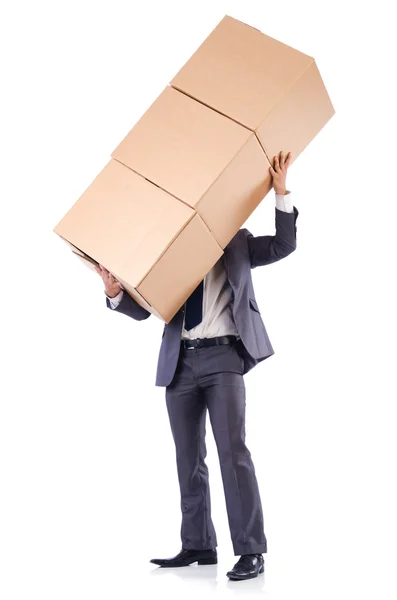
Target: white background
(89,490)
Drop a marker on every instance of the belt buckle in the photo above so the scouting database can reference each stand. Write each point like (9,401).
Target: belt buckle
(185,344)
(195,344)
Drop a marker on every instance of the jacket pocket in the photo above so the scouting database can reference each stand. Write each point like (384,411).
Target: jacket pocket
(254,305)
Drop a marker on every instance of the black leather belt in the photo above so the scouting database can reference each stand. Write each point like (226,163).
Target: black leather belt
(215,341)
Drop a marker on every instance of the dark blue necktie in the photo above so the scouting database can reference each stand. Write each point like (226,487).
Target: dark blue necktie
(194,307)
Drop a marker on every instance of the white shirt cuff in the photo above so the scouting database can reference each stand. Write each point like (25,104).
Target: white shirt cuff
(114,302)
(284,202)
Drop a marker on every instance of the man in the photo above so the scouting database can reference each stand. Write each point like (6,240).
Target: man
(207,347)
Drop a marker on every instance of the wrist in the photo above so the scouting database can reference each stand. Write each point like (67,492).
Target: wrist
(282,192)
(110,296)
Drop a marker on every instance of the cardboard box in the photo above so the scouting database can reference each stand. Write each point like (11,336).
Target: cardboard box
(187,176)
(205,160)
(156,246)
(265,85)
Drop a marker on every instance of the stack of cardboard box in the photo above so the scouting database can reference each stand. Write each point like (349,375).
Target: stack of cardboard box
(196,165)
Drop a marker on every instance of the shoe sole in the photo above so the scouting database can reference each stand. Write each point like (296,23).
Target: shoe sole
(202,561)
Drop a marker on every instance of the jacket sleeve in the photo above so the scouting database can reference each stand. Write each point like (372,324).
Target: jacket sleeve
(128,306)
(267,249)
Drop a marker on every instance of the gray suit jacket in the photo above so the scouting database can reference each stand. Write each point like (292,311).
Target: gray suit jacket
(243,253)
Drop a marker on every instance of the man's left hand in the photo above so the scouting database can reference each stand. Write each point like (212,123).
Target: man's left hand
(279,172)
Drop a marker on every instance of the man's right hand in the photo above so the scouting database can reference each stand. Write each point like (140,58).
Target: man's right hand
(112,286)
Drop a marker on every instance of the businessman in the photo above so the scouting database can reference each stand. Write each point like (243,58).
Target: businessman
(214,339)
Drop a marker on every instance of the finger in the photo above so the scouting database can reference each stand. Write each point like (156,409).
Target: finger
(272,171)
(282,158)
(276,165)
(288,160)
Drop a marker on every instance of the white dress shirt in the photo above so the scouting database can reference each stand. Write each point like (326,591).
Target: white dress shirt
(217,295)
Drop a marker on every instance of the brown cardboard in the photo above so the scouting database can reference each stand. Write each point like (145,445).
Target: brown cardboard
(145,237)
(265,85)
(204,159)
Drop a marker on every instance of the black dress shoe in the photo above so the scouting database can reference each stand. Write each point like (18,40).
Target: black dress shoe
(248,566)
(187,557)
